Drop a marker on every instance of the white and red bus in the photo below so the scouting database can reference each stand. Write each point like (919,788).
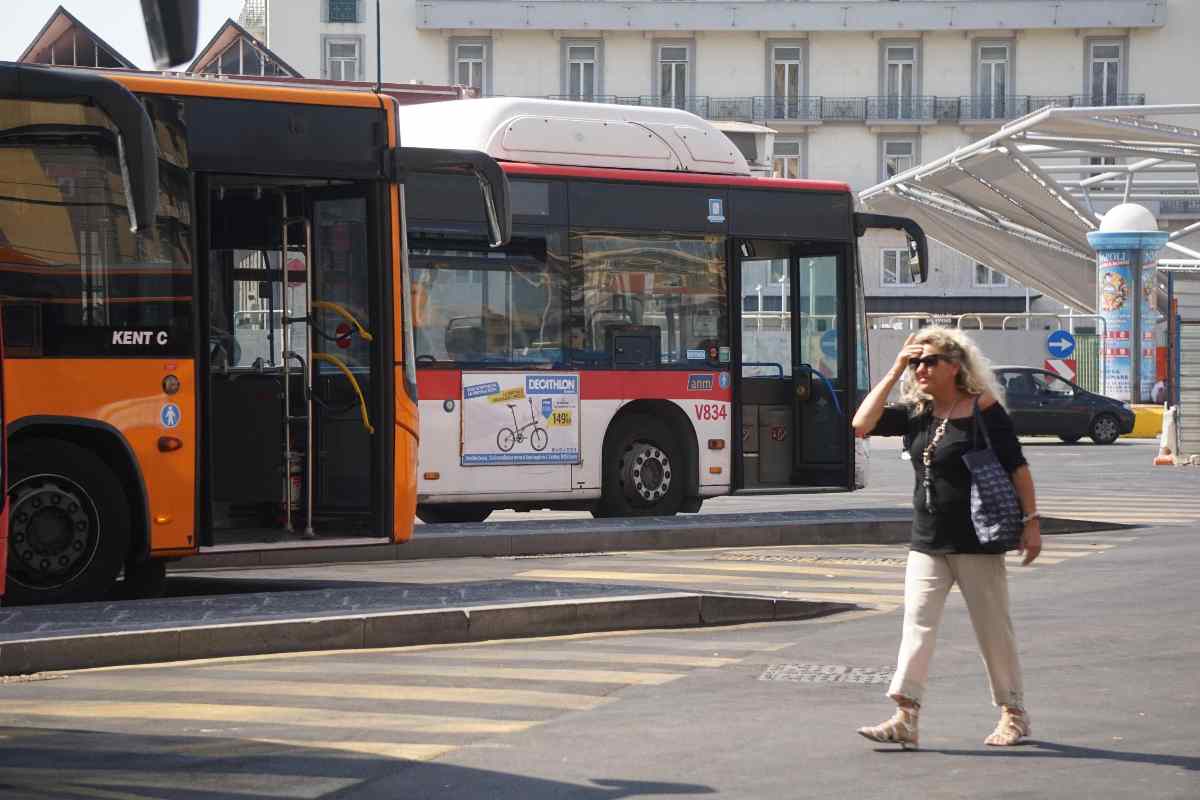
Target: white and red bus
(662,328)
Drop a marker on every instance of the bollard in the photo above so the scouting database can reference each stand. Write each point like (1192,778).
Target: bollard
(1168,443)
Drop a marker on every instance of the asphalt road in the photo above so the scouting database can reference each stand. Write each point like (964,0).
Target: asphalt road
(1107,628)
(1076,480)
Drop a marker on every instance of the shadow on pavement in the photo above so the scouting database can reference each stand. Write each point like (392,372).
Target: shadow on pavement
(76,764)
(1034,748)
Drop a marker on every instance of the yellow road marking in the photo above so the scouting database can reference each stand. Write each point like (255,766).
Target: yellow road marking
(666,577)
(617,677)
(597,655)
(265,715)
(884,571)
(242,748)
(304,787)
(261,687)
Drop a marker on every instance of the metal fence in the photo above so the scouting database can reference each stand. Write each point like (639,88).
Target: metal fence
(925,108)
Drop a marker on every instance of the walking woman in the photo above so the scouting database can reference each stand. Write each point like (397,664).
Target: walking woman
(948,377)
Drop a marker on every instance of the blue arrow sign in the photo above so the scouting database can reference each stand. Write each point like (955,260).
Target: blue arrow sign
(1060,344)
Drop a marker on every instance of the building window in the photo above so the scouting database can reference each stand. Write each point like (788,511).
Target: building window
(673,75)
(994,71)
(986,277)
(470,65)
(898,155)
(785,82)
(582,62)
(343,11)
(343,59)
(785,160)
(894,269)
(1105,73)
(900,80)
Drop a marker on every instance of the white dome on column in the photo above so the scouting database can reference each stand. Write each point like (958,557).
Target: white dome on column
(1128,218)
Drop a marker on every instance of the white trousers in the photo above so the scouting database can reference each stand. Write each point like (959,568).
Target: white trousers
(983,580)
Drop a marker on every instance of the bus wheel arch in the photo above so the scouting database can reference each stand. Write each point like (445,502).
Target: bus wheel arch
(655,434)
(69,527)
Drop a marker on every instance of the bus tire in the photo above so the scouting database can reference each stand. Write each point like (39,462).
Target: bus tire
(69,524)
(451,513)
(643,470)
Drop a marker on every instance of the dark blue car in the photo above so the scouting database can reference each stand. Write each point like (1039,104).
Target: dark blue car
(1044,404)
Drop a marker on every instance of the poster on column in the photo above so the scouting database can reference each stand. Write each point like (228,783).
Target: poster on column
(520,418)
(1114,280)
(1150,318)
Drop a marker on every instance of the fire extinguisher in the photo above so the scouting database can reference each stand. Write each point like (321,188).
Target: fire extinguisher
(295,480)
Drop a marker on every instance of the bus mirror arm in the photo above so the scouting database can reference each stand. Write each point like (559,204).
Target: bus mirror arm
(137,148)
(492,181)
(918,245)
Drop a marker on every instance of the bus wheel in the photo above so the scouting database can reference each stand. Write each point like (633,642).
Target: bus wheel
(68,524)
(434,514)
(642,471)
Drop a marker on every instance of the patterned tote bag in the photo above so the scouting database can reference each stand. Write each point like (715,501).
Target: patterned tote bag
(995,511)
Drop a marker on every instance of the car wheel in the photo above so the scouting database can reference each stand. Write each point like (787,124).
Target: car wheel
(1070,439)
(1105,429)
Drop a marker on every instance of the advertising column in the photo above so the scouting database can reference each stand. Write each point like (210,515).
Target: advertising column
(1127,246)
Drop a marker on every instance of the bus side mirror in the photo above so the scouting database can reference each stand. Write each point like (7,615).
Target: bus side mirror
(918,244)
(171,27)
(493,184)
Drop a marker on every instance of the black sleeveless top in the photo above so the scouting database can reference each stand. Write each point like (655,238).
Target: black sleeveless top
(946,526)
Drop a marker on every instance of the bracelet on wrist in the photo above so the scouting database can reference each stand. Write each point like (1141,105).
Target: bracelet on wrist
(1030,517)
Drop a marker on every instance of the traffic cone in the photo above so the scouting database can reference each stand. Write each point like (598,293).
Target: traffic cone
(1166,442)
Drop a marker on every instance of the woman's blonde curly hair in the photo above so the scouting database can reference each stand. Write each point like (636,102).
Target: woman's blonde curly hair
(975,373)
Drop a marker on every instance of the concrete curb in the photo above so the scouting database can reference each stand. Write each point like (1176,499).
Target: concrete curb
(401,628)
(491,540)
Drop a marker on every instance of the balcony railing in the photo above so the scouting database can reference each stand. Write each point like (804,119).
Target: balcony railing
(900,109)
(855,109)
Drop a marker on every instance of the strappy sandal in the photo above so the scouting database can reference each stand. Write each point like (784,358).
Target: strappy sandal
(901,729)
(1011,729)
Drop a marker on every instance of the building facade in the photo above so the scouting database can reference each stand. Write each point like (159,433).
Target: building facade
(852,90)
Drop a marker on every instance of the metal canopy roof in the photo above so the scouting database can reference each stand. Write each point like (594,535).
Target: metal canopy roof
(1023,199)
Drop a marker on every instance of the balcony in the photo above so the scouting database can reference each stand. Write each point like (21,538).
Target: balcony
(998,109)
(922,110)
(901,109)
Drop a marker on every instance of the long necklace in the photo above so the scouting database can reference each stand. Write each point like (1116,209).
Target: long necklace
(927,455)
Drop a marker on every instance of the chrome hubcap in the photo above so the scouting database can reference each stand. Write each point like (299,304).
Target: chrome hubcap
(1106,428)
(646,472)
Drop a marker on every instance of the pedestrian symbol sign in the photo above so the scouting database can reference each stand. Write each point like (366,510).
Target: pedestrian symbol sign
(170,416)
(1060,344)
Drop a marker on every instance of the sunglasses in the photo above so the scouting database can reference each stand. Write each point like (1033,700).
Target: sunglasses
(929,361)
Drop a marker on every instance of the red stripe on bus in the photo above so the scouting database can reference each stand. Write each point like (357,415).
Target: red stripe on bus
(439,384)
(446,384)
(685,178)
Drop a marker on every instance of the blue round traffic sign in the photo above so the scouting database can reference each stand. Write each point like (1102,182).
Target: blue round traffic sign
(1060,344)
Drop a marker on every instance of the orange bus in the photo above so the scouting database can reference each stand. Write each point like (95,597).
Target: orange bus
(204,289)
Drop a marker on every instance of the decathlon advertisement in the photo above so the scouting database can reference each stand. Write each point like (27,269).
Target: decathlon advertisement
(520,418)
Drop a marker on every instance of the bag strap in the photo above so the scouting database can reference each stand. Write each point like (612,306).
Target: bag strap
(980,425)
